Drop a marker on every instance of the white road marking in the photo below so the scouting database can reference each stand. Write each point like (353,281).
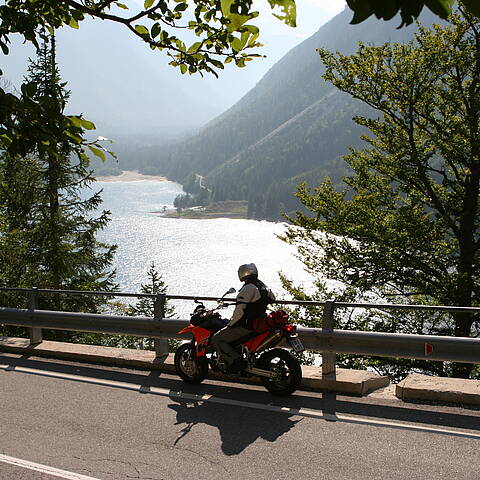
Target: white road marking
(304,412)
(44,468)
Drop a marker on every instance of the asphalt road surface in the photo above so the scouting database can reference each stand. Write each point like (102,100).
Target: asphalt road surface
(109,423)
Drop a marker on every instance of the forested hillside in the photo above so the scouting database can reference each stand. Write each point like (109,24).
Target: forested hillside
(292,126)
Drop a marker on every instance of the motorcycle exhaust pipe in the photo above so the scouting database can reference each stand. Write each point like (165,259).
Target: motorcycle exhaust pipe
(274,337)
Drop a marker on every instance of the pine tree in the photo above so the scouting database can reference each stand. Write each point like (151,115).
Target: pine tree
(47,215)
(145,306)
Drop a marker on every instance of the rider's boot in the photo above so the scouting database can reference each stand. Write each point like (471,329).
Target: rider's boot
(222,364)
(238,366)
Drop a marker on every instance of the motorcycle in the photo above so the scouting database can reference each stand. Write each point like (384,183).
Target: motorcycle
(279,371)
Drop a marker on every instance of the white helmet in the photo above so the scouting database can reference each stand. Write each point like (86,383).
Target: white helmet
(247,270)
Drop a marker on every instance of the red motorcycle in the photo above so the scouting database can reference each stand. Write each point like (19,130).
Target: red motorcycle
(278,369)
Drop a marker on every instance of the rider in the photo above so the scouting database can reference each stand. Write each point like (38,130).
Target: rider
(251,303)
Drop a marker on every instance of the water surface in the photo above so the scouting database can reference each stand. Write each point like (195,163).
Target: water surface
(195,257)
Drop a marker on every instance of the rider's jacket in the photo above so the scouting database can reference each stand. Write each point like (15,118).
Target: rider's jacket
(252,301)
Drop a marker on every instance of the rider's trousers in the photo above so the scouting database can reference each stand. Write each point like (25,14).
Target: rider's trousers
(224,337)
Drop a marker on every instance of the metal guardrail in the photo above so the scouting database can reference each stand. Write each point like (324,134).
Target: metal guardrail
(326,340)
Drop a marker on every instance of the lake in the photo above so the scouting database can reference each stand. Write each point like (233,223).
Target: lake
(195,257)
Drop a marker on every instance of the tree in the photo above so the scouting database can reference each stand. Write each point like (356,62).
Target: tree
(406,224)
(49,229)
(146,306)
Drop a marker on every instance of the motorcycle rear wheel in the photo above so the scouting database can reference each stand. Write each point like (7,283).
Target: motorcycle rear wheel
(189,367)
(286,366)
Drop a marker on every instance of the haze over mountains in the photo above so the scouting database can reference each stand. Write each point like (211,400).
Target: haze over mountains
(291,126)
(134,96)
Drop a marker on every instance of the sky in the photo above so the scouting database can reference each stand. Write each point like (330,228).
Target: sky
(125,88)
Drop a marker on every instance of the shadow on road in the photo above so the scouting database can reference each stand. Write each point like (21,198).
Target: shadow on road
(245,432)
(238,427)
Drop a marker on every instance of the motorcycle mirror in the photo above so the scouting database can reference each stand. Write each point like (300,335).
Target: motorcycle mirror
(230,290)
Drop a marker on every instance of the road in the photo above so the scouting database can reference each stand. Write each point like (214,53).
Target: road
(110,423)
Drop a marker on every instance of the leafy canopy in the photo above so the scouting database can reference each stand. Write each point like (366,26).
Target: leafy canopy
(408,9)
(222,27)
(406,225)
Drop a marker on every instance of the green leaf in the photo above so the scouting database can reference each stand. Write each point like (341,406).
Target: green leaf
(83,156)
(183,68)
(80,122)
(362,10)
(121,5)
(142,30)
(73,23)
(180,45)
(442,8)
(87,125)
(75,138)
(181,7)
(147,4)
(289,10)
(244,38)
(163,7)
(386,9)
(156,29)
(253,40)
(195,47)
(4,47)
(77,15)
(236,21)
(225,6)
(236,45)
(5,139)
(97,152)
(216,63)
(251,28)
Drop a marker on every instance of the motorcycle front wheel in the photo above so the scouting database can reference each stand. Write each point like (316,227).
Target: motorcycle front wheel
(190,368)
(287,369)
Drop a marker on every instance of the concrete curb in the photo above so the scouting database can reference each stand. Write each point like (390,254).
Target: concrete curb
(439,389)
(356,382)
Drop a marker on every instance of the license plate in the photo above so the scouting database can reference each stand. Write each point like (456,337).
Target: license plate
(296,344)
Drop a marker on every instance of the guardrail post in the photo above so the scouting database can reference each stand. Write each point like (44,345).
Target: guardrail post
(160,344)
(34,332)
(329,359)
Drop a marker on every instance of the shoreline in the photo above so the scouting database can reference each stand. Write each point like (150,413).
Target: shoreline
(130,176)
(234,209)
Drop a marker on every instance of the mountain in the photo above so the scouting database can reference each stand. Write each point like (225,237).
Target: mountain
(129,91)
(291,126)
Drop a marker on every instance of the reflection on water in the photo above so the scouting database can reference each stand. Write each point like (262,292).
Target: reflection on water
(195,257)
